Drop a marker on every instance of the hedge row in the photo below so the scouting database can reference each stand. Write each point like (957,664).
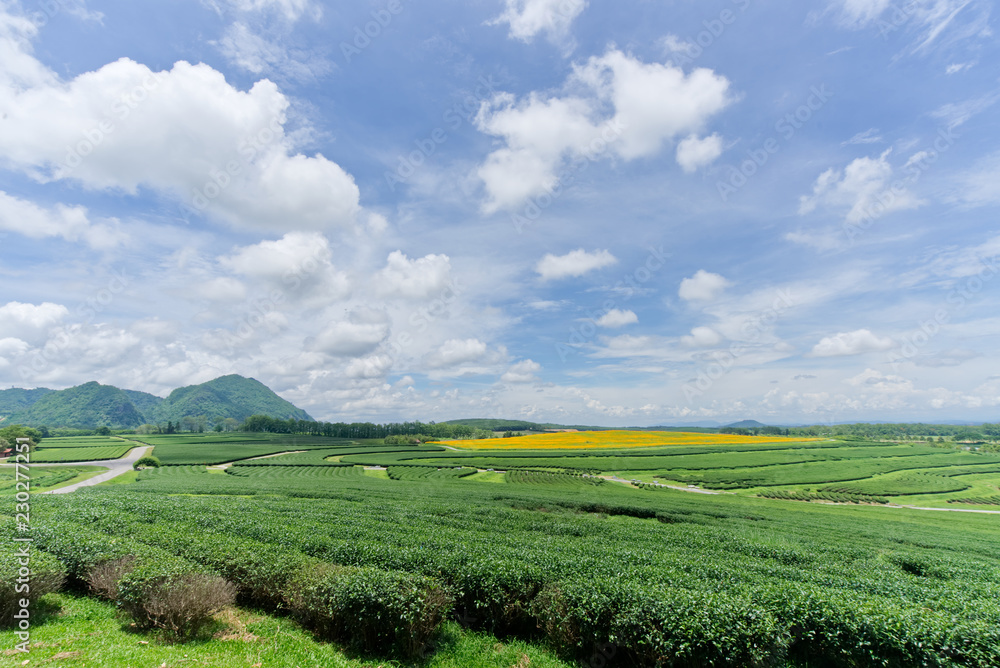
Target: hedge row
(368,607)
(43,574)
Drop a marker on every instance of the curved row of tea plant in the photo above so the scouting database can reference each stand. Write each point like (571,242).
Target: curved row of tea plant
(835,496)
(671,576)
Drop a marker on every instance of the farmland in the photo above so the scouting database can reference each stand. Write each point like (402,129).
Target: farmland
(553,554)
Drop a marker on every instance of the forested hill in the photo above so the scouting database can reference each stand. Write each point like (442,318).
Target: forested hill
(93,405)
(226,397)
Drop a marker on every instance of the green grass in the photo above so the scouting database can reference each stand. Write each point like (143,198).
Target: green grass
(74,631)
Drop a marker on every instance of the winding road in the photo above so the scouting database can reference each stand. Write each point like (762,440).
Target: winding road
(115,467)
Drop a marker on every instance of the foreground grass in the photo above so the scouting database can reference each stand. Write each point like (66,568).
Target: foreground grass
(74,631)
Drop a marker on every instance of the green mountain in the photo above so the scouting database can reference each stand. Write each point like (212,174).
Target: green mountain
(16,398)
(225,397)
(94,405)
(86,406)
(144,402)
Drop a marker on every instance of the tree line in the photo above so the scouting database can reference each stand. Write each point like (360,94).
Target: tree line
(270,425)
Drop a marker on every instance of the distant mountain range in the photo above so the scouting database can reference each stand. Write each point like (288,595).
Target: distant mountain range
(94,405)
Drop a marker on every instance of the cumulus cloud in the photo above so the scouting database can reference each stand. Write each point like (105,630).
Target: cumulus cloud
(296,260)
(703,286)
(349,339)
(420,278)
(223,289)
(851,343)
(702,337)
(615,105)
(528,18)
(617,318)
(694,153)
(455,352)
(522,372)
(70,223)
(863,188)
(575,263)
(30,321)
(185,132)
(374,366)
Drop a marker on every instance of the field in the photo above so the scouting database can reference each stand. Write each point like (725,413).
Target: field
(614,438)
(436,551)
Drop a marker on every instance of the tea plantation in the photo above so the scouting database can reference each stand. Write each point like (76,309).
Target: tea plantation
(387,551)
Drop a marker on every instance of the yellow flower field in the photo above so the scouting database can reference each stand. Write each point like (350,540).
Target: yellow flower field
(616,438)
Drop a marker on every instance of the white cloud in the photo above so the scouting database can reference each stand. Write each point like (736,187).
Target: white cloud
(522,372)
(954,114)
(349,338)
(185,132)
(869,136)
(870,379)
(70,223)
(702,337)
(860,13)
(528,18)
(694,153)
(618,106)
(375,366)
(851,343)
(290,10)
(223,289)
(30,321)
(575,263)
(298,259)
(258,54)
(955,68)
(863,188)
(617,318)
(421,278)
(703,286)
(980,184)
(455,352)
(934,22)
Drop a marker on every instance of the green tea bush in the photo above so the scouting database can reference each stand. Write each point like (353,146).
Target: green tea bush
(369,607)
(46,574)
(171,595)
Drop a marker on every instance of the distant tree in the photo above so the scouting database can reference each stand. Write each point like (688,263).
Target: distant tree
(103,430)
(217,428)
(231,424)
(44,431)
(171,429)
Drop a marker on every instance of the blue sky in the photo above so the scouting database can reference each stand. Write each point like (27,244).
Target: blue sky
(557,210)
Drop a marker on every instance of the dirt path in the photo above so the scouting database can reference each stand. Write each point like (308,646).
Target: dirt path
(115,467)
(952,510)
